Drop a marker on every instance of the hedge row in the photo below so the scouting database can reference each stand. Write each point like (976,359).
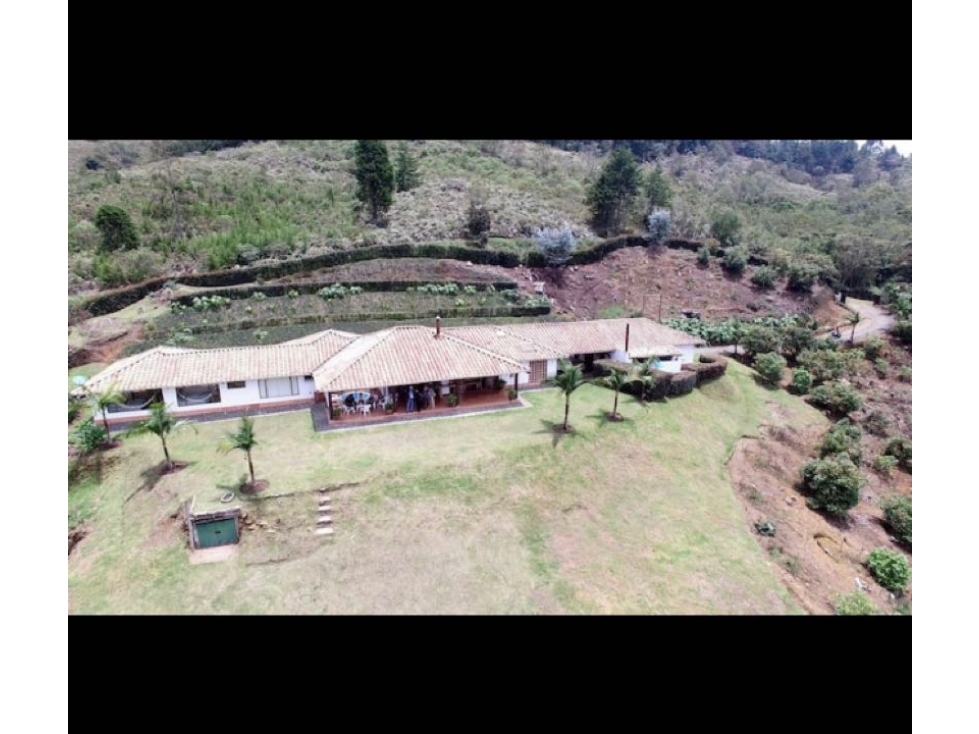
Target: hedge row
(445,313)
(709,368)
(270,271)
(119,298)
(682,382)
(276,290)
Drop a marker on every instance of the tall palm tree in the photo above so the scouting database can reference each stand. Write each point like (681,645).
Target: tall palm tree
(853,318)
(617,380)
(244,440)
(160,423)
(568,380)
(109,396)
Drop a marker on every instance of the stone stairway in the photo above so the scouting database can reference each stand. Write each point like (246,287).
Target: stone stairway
(324,519)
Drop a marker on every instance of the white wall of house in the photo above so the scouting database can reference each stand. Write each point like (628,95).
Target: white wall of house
(687,352)
(551,368)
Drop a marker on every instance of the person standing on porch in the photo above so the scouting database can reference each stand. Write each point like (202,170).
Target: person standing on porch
(410,407)
(429,396)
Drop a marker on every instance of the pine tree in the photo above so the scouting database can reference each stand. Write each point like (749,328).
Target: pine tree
(406,176)
(118,232)
(658,189)
(611,196)
(375,176)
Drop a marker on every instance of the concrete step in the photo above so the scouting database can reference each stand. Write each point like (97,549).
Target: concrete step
(324,531)
(324,521)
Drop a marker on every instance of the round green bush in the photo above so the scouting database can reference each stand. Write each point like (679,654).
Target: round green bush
(801,381)
(855,604)
(802,276)
(900,449)
(703,255)
(884,464)
(770,366)
(764,278)
(735,260)
(897,514)
(756,339)
(833,484)
(836,397)
(843,438)
(890,568)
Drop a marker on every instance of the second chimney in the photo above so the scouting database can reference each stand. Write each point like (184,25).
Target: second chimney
(438,326)
(627,339)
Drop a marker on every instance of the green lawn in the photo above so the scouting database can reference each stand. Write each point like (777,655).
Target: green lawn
(482,514)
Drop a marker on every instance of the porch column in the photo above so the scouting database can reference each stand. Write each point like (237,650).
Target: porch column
(458,386)
(329,408)
(516,382)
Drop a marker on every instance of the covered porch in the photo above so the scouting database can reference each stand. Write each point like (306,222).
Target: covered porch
(384,404)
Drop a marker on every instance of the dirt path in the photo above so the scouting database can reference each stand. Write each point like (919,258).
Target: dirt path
(873,320)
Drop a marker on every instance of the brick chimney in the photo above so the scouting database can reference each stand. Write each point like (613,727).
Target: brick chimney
(438,326)
(627,339)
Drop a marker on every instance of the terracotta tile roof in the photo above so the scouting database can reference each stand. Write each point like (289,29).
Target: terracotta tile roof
(501,340)
(605,335)
(171,367)
(405,355)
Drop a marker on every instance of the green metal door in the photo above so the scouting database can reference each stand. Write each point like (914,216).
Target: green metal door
(217,532)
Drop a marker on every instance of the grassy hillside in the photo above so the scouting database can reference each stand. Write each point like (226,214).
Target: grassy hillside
(284,198)
(502,517)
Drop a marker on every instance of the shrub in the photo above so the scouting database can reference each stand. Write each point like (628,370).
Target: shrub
(852,605)
(824,365)
(116,227)
(703,255)
(477,220)
(904,374)
(836,397)
(555,244)
(88,437)
(770,366)
(900,449)
(883,464)
(802,276)
(897,514)
(881,366)
(795,340)
(877,423)
(735,260)
(764,278)
(725,226)
(658,226)
(833,484)
(902,331)
(74,408)
(452,400)
(842,438)
(873,347)
(511,394)
(760,339)
(890,568)
(801,381)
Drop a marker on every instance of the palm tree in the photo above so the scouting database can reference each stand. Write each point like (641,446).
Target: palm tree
(568,380)
(853,318)
(646,377)
(244,440)
(160,423)
(616,381)
(109,396)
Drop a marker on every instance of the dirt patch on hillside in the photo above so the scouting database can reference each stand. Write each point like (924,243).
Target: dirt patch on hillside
(664,282)
(818,558)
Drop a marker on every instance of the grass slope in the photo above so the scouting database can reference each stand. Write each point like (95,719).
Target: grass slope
(483,514)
